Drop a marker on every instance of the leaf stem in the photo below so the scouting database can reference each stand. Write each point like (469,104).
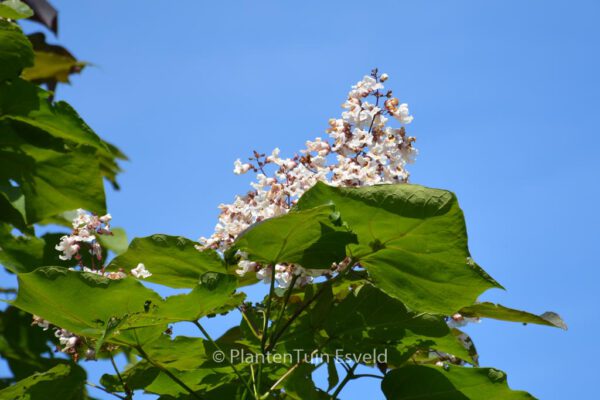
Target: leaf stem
(288,294)
(128,392)
(263,341)
(226,357)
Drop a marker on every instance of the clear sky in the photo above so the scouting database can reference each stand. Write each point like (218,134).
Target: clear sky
(506,100)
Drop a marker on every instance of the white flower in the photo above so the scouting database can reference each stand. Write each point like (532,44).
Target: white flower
(141,272)
(402,114)
(240,168)
(69,246)
(42,323)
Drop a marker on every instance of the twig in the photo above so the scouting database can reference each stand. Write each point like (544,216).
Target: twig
(128,392)
(349,376)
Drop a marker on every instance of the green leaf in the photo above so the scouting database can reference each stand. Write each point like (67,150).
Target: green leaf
(61,182)
(312,238)
(457,383)
(58,295)
(16,52)
(412,240)
(15,9)
(52,63)
(63,381)
(497,311)
(172,260)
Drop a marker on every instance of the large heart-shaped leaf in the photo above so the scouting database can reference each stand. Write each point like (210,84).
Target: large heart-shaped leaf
(412,240)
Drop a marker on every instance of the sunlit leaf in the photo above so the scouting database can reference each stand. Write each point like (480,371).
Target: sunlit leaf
(412,240)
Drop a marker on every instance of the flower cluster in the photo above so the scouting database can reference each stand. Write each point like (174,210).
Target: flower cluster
(86,227)
(360,150)
(69,343)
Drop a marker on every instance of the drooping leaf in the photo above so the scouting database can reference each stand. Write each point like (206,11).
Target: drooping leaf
(15,9)
(16,52)
(172,260)
(52,63)
(313,238)
(412,240)
(62,381)
(497,311)
(456,383)
(84,303)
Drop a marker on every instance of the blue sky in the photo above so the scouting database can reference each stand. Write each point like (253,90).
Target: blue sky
(505,97)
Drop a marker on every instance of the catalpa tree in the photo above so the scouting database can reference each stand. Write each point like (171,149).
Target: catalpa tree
(359,267)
